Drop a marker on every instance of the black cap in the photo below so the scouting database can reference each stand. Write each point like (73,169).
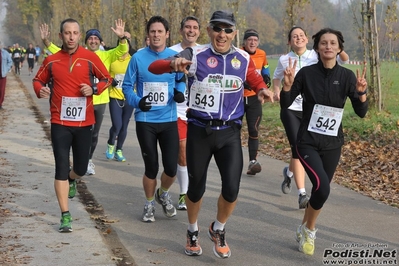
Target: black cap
(223,17)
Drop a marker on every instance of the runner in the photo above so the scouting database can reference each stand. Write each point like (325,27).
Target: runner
(71,107)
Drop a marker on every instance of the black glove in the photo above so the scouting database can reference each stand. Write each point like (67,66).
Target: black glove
(114,83)
(267,80)
(178,97)
(246,86)
(144,105)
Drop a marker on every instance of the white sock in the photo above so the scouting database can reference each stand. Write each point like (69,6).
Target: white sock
(193,227)
(182,178)
(218,225)
(301,191)
(289,173)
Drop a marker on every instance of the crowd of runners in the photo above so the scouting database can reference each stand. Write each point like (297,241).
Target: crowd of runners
(191,100)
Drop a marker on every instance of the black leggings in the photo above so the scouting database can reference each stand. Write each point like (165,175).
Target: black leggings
(62,139)
(320,167)
(99,110)
(253,115)
(225,146)
(148,134)
(291,121)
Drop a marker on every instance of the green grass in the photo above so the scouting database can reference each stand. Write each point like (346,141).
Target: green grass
(385,121)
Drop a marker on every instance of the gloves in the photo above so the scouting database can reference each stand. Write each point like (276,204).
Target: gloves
(246,86)
(114,83)
(178,96)
(144,105)
(267,80)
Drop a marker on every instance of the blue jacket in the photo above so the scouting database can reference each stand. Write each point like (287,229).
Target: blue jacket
(137,76)
(6,63)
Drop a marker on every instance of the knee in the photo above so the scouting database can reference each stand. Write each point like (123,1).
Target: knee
(319,197)
(194,195)
(230,195)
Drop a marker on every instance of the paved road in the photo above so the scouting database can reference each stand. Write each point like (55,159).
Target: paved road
(260,232)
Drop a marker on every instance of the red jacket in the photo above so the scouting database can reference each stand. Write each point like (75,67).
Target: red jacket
(66,72)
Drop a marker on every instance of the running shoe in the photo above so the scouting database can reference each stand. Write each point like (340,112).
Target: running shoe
(298,234)
(72,189)
(110,152)
(286,185)
(167,205)
(303,200)
(254,167)
(181,205)
(90,168)
(193,247)
(66,223)
(148,213)
(119,156)
(306,243)
(220,249)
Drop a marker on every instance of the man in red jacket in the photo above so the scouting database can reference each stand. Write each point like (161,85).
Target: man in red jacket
(71,73)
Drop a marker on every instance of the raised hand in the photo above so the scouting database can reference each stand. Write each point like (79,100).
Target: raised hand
(119,29)
(44,32)
(361,84)
(289,73)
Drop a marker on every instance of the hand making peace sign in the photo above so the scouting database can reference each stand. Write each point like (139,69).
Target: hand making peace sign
(361,84)
(289,74)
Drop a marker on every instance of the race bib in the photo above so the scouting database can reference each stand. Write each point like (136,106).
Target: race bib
(73,109)
(325,120)
(157,93)
(30,56)
(119,78)
(205,97)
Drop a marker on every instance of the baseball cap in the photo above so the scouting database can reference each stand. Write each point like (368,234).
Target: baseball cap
(223,17)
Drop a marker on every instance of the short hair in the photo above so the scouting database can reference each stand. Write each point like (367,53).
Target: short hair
(68,20)
(184,20)
(156,19)
(317,36)
(294,28)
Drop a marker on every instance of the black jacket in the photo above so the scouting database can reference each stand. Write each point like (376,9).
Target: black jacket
(330,87)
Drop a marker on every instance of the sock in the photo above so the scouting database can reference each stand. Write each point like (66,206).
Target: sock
(65,213)
(218,225)
(193,227)
(162,190)
(182,178)
(289,173)
(301,191)
(149,200)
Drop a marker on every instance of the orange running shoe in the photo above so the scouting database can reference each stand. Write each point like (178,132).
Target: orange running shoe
(193,247)
(221,249)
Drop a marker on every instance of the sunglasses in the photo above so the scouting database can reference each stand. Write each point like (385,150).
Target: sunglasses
(226,30)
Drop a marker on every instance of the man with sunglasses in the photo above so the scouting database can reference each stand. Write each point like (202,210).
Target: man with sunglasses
(93,41)
(217,72)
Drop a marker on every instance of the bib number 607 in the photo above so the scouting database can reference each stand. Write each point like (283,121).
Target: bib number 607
(73,111)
